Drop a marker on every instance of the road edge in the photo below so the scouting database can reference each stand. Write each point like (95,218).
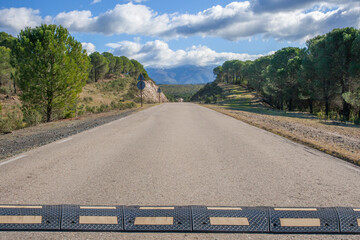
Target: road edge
(294,139)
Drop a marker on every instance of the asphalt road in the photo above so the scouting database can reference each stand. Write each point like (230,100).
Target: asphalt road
(177,154)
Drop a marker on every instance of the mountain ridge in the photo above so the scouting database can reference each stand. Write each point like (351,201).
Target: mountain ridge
(186,74)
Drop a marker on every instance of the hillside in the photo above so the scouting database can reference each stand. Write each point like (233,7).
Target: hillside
(109,94)
(187,74)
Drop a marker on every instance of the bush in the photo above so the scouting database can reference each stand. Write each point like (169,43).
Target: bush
(130,105)
(32,117)
(103,108)
(6,90)
(90,109)
(10,122)
(87,99)
(321,115)
(207,100)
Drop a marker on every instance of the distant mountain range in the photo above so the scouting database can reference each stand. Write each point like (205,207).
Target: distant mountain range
(187,74)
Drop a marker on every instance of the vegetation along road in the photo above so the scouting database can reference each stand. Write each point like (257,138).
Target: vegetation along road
(177,154)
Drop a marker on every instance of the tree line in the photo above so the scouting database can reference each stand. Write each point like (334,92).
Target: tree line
(106,63)
(322,77)
(49,68)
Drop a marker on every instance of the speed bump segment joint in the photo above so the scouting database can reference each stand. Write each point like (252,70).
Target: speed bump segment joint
(30,218)
(349,220)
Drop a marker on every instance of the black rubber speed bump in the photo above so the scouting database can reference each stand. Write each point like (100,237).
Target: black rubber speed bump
(304,220)
(92,218)
(30,218)
(157,219)
(349,220)
(230,219)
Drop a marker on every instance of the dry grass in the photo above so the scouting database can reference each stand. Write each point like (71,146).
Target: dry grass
(335,138)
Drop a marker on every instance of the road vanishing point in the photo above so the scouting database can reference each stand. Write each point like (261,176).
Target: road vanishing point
(177,154)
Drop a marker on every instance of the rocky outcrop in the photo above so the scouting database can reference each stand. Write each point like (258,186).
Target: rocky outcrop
(150,94)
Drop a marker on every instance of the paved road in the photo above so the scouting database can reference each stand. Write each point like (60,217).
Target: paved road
(177,154)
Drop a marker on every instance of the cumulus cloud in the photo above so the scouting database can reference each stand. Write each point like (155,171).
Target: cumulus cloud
(279,19)
(95,1)
(89,47)
(158,54)
(13,20)
(292,20)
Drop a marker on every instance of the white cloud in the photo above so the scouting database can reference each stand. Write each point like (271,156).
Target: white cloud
(89,47)
(158,54)
(279,19)
(13,20)
(95,1)
(235,21)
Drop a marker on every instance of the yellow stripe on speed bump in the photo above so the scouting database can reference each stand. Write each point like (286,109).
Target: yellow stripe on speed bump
(358,222)
(295,209)
(20,219)
(89,207)
(300,222)
(357,209)
(229,221)
(224,208)
(154,221)
(98,220)
(156,208)
(8,206)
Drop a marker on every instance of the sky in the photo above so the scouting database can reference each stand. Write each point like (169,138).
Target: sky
(165,34)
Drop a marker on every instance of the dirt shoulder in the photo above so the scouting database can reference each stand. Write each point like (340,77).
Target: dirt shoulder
(28,138)
(336,138)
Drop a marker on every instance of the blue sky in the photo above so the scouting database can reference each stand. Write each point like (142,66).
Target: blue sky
(161,33)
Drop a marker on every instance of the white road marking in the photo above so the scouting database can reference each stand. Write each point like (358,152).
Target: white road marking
(65,140)
(13,159)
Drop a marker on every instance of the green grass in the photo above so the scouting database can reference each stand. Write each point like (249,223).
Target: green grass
(238,98)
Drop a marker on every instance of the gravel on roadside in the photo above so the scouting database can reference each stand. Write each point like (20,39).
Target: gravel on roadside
(28,138)
(339,141)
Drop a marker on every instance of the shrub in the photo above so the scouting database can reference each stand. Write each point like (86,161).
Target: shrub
(87,99)
(5,90)
(10,122)
(90,109)
(321,115)
(32,117)
(130,105)
(103,108)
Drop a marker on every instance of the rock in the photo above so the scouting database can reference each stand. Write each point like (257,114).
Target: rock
(150,94)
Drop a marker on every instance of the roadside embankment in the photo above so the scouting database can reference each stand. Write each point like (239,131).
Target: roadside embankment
(333,137)
(27,138)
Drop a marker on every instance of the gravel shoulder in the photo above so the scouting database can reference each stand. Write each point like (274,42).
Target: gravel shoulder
(28,138)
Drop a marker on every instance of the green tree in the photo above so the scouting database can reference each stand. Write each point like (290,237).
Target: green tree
(119,66)
(100,66)
(308,89)
(52,69)
(5,67)
(339,44)
(218,72)
(111,61)
(7,40)
(282,85)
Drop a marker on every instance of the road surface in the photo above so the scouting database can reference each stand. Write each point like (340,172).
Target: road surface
(177,154)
